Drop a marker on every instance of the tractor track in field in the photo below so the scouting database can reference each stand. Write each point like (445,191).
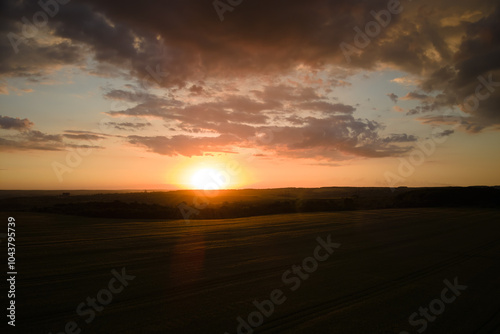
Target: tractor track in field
(293,319)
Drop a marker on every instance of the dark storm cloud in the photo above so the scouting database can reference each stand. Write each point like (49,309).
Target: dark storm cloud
(182,43)
(424,43)
(257,37)
(7,123)
(472,79)
(29,57)
(174,41)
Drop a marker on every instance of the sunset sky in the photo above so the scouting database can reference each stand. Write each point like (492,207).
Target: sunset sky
(254,94)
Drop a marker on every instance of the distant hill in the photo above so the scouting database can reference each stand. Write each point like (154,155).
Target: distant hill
(248,202)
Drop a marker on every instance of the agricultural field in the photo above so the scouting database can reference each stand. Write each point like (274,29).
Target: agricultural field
(398,270)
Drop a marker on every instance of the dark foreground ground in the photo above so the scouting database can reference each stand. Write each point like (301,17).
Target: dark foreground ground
(200,277)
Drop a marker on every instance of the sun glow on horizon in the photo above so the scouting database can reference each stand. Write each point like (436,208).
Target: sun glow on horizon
(210,173)
(210,179)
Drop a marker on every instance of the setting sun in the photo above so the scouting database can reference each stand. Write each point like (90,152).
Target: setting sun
(210,179)
(210,173)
